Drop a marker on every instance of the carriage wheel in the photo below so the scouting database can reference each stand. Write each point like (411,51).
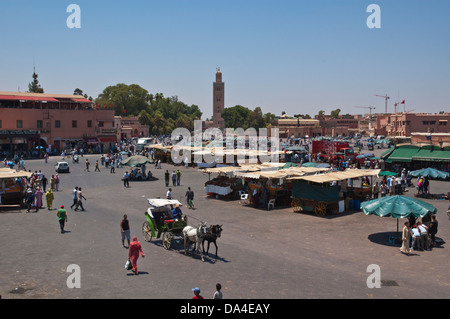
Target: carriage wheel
(320,208)
(167,240)
(295,204)
(147,231)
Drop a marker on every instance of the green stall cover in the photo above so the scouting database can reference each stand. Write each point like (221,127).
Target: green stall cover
(320,192)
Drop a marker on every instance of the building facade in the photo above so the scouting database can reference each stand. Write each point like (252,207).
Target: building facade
(129,127)
(38,121)
(403,124)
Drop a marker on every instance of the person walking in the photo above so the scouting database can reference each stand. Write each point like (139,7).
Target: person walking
(38,198)
(126,180)
(167,177)
(30,200)
(406,232)
(174,178)
(87,165)
(133,254)
(80,200)
(62,217)
(125,230)
(74,197)
(49,196)
(113,167)
(97,169)
(190,198)
(52,183)
(44,183)
(178,177)
(57,182)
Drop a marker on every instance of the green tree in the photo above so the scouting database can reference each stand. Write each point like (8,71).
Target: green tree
(121,96)
(335,114)
(34,86)
(236,116)
(269,118)
(256,119)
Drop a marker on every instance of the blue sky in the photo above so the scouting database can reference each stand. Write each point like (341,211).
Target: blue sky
(288,55)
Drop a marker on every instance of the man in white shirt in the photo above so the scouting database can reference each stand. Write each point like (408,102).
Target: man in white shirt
(169,194)
(416,245)
(424,239)
(74,197)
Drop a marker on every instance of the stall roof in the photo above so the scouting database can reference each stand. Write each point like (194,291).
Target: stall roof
(338,176)
(12,173)
(282,173)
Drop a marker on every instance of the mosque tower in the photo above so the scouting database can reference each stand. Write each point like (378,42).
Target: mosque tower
(218,101)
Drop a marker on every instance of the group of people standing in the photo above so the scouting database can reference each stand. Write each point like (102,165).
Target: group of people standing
(418,235)
(176,178)
(36,190)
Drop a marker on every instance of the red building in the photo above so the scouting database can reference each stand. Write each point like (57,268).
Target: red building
(29,121)
(404,124)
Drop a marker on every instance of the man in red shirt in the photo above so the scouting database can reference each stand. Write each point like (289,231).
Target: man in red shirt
(133,253)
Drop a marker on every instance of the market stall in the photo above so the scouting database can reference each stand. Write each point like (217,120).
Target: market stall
(265,185)
(12,189)
(321,193)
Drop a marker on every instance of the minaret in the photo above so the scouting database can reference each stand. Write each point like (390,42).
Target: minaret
(218,100)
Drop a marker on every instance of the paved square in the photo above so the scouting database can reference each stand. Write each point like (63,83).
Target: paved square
(262,254)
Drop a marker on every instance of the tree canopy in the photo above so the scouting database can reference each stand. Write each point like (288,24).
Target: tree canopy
(241,116)
(161,114)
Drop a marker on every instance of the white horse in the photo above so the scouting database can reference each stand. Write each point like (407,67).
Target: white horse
(193,235)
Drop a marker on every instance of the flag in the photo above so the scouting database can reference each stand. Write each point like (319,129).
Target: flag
(124,110)
(403,102)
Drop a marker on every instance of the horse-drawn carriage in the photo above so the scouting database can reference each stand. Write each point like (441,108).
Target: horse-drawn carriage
(161,222)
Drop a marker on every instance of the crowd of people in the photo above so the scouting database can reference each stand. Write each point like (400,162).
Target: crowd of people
(36,190)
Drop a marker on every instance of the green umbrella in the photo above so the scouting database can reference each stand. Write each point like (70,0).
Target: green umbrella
(135,160)
(287,165)
(398,207)
(431,173)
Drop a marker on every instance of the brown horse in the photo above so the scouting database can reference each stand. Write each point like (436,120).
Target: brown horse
(212,233)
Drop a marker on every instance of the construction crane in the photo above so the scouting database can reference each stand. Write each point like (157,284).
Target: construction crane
(385,101)
(367,107)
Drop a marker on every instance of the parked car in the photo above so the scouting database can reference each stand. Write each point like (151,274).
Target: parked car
(62,167)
